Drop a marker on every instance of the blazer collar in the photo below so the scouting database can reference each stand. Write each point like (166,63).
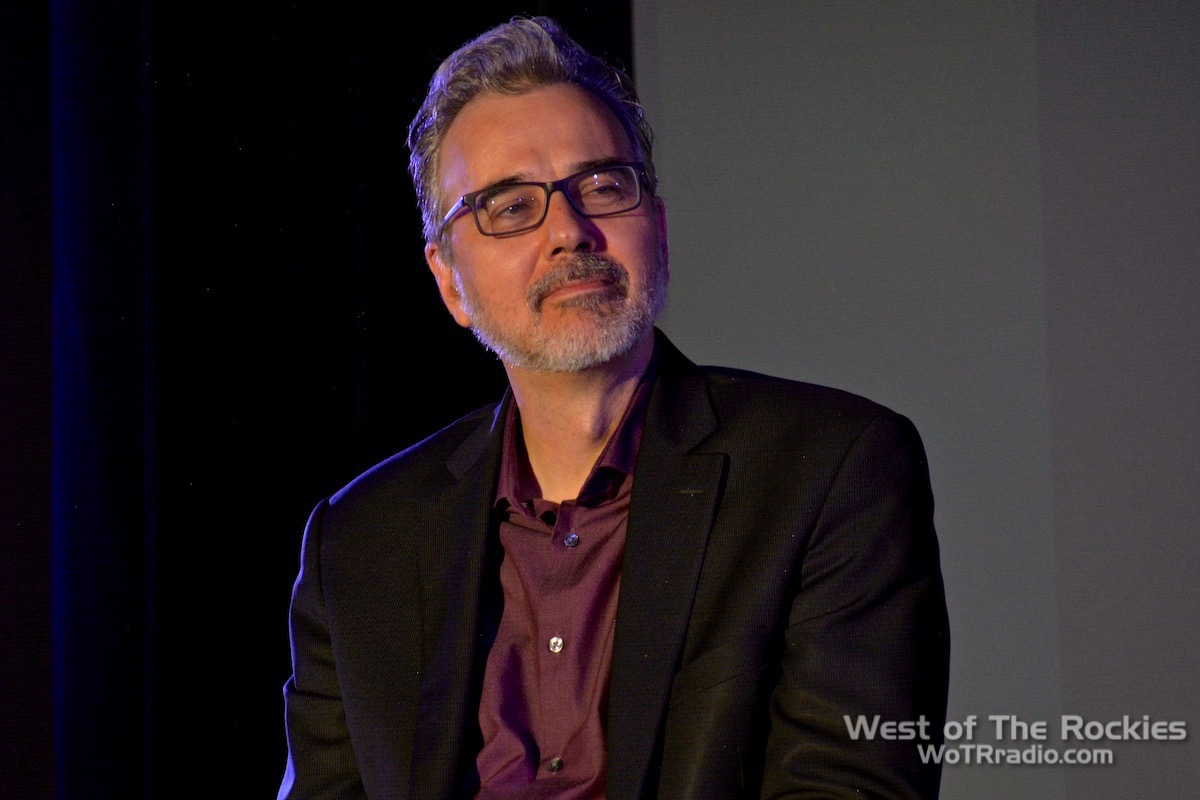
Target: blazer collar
(484,440)
(675,494)
(460,607)
(679,409)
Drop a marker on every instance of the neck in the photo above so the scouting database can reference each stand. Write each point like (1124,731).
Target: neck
(568,417)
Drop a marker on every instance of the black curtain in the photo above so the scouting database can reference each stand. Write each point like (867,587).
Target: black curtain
(241,321)
(26,721)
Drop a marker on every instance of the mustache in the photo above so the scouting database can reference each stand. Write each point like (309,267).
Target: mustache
(579,267)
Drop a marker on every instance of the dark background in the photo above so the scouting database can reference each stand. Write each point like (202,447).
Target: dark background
(215,311)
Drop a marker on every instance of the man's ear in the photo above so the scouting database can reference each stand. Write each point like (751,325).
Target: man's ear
(443,274)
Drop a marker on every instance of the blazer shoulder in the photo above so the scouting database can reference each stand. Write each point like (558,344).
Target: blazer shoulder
(424,466)
(765,415)
(740,395)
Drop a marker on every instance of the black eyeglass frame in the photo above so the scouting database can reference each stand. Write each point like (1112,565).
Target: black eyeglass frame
(467,201)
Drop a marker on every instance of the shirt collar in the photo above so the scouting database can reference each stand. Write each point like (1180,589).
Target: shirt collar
(518,487)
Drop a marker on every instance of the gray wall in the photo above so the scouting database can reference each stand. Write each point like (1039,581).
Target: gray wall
(984,215)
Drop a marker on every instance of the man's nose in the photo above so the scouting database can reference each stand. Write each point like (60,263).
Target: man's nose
(569,230)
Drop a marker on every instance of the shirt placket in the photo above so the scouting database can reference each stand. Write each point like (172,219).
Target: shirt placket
(560,641)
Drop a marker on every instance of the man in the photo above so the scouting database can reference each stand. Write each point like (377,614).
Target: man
(632,577)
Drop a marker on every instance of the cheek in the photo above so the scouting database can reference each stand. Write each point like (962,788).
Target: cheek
(499,270)
(652,259)
(500,294)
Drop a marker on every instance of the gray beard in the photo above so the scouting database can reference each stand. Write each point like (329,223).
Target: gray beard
(623,322)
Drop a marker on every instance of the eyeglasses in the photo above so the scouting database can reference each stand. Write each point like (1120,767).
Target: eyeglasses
(509,208)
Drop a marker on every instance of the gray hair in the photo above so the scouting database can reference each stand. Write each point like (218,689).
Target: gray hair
(513,58)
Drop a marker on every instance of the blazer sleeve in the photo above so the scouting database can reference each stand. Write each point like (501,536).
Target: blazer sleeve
(867,635)
(321,763)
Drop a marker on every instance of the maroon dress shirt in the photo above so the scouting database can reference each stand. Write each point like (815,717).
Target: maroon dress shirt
(545,687)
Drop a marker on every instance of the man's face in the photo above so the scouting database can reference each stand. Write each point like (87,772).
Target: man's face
(575,292)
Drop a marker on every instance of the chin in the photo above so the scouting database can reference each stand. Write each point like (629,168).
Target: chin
(569,351)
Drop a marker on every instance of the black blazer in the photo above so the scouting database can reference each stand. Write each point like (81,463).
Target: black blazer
(781,571)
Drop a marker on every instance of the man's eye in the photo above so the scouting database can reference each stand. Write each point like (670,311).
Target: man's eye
(509,205)
(603,192)
(511,211)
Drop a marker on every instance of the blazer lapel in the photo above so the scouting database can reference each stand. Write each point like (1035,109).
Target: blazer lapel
(457,610)
(674,499)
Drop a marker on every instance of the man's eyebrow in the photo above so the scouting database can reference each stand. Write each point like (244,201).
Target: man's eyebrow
(597,163)
(508,181)
(577,167)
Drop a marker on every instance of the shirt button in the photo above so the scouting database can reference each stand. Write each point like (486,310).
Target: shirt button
(556,644)
(555,764)
(571,539)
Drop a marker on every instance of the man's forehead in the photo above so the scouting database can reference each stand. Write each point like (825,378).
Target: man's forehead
(544,134)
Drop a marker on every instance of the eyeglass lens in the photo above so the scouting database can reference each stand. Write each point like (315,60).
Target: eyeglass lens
(595,193)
